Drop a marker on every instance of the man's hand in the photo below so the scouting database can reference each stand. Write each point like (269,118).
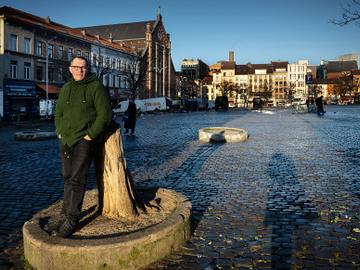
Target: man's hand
(87,137)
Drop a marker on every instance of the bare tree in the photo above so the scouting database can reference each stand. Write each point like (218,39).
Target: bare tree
(345,85)
(97,64)
(135,73)
(226,88)
(350,14)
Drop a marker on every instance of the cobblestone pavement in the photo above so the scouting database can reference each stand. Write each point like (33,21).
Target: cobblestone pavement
(288,198)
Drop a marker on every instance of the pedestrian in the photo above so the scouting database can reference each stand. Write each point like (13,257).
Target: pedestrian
(319,105)
(82,114)
(130,118)
(307,104)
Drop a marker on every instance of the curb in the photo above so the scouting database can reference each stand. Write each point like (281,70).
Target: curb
(132,250)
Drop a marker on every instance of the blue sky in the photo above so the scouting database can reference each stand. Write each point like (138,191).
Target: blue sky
(258,31)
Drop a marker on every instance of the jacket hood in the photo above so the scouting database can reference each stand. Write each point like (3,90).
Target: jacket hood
(91,77)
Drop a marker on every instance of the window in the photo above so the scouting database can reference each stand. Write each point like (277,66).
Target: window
(50,51)
(39,73)
(51,74)
(27,45)
(13,42)
(87,55)
(27,70)
(70,54)
(107,61)
(78,52)
(39,48)
(60,52)
(13,69)
(113,64)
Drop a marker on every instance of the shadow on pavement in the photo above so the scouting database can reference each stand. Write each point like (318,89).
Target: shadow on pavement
(287,208)
(185,180)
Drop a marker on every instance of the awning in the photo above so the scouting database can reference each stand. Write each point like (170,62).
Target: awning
(52,89)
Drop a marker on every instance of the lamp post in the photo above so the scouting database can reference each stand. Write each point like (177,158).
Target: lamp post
(47,79)
(47,75)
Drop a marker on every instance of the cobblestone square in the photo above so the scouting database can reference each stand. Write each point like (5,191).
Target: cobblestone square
(287,198)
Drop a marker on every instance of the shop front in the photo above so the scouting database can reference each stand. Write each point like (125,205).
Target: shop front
(19,100)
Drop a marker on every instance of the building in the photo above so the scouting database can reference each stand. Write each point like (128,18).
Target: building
(281,93)
(194,69)
(349,57)
(356,81)
(34,57)
(149,39)
(242,84)
(296,79)
(261,82)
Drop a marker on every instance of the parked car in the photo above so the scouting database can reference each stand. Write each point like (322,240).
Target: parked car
(221,103)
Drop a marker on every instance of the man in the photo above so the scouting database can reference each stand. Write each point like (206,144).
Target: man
(82,113)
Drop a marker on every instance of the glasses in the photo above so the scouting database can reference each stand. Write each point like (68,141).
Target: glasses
(78,67)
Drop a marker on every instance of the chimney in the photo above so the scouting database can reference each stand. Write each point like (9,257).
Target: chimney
(83,32)
(110,37)
(231,56)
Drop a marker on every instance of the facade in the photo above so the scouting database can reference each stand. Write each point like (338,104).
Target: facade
(260,82)
(296,79)
(242,83)
(281,93)
(113,64)
(35,55)
(193,72)
(194,69)
(349,57)
(150,40)
(356,81)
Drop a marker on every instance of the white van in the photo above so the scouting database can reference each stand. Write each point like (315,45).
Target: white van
(144,105)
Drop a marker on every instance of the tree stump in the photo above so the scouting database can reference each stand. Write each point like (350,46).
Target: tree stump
(117,194)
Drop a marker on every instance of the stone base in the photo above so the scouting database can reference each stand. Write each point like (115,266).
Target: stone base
(114,248)
(35,135)
(222,135)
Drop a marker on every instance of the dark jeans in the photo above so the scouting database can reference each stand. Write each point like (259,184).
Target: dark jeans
(76,161)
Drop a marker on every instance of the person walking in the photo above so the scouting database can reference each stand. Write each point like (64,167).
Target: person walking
(130,118)
(82,114)
(320,105)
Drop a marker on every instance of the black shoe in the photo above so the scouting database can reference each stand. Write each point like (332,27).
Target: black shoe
(65,230)
(54,223)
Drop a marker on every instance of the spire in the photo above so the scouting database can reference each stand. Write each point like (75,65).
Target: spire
(158,15)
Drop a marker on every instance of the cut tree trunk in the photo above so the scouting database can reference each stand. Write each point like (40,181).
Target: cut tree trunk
(117,194)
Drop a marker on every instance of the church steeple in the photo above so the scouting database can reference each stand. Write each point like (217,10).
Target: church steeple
(158,15)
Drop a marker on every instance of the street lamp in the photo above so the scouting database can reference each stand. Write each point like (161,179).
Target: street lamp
(47,79)
(47,76)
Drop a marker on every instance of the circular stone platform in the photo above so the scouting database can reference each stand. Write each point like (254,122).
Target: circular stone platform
(35,135)
(105,243)
(223,134)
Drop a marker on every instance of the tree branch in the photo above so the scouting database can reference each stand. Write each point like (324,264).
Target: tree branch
(350,13)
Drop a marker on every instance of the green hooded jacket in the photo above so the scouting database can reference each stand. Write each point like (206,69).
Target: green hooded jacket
(83,108)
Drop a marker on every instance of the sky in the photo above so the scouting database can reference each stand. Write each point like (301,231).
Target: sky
(258,31)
